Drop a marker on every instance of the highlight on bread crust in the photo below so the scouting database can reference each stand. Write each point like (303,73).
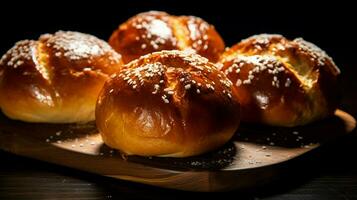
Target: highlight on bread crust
(155,31)
(55,79)
(167,103)
(281,82)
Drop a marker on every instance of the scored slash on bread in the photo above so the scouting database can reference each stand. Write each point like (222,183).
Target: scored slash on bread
(155,31)
(56,78)
(281,82)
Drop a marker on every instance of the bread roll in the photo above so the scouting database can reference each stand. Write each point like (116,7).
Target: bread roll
(154,31)
(55,79)
(167,103)
(282,82)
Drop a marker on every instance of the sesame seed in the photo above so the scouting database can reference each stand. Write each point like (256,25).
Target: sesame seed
(247,81)
(188,86)
(165,99)
(238,83)
(288,82)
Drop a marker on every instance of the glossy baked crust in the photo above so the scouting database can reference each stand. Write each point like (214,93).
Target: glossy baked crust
(168,103)
(55,79)
(282,82)
(154,31)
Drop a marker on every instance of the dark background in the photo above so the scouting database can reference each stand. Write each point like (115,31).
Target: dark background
(330,174)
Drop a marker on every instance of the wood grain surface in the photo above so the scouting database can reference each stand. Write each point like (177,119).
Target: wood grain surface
(252,157)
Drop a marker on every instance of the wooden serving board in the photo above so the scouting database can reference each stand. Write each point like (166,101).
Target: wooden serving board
(250,158)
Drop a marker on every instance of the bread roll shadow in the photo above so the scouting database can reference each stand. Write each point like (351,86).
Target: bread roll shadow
(301,136)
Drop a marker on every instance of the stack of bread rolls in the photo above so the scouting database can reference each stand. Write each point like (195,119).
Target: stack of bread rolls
(165,85)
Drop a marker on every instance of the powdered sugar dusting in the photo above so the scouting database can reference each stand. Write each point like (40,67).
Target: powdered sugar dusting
(155,28)
(197,32)
(78,46)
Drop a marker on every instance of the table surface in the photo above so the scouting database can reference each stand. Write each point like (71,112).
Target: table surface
(333,176)
(328,173)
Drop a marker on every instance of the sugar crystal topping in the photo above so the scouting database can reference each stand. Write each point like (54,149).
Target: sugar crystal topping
(277,51)
(315,52)
(261,39)
(195,75)
(261,63)
(21,52)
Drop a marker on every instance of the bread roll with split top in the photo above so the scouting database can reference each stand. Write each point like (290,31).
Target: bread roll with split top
(282,82)
(55,79)
(155,31)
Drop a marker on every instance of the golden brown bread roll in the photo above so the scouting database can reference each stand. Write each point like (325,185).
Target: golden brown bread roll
(167,103)
(154,31)
(55,79)
(281,82)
